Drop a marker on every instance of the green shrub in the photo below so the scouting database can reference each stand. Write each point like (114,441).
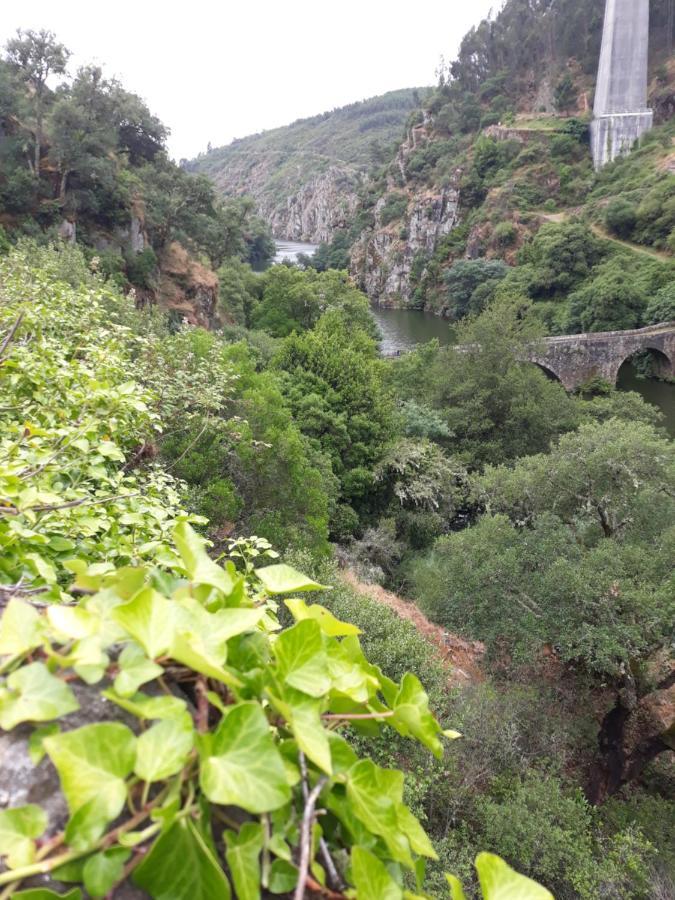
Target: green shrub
(394,207)
(505,234)
(620,217)
(661,307)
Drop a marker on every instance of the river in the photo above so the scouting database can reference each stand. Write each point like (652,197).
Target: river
(404,328)
(290,250)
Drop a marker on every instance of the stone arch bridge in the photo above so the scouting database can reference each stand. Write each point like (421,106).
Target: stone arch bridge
(576,358)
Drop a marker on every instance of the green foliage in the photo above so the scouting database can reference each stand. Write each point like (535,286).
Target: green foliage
(108,154)
(620,217)
(581,577)
(333,383)
(661,307)
(561,256)
(244,760)
(565,93)
(471,285)
(393,208)
(495,407)
(607,302)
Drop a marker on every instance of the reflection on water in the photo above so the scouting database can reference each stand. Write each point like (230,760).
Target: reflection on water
(290,250)
(402,329)
(660,393)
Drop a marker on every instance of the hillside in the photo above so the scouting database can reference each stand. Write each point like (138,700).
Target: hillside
(305,176)
(83,160)
(499,147)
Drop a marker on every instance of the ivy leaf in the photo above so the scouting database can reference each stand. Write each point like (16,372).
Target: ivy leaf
(374,794)
(328,623)
(371,877)
(456,889)
(135,669)
(283,877)
(282,579)
(199,566)
(73,622)
(499,881)
(302,660)
(194,651)
(243,853)
(102,870)
(21,628)
(93,763)
(45,894)
(181,866)
(244,767)
(144,707)
(18,829)
(33,694)
(303,715)
(162,750)
(36,749)
(412,715)
(148,618)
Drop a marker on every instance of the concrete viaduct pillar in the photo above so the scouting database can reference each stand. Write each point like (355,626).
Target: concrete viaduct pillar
(621,115)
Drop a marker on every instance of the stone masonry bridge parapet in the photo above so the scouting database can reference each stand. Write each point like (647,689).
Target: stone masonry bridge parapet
(577,358)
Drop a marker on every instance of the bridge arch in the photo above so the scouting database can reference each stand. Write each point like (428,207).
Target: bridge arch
(548,371)
(663,363)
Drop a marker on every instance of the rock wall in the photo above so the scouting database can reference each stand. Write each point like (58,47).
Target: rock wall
(187,286)
(317,210)
(384,257)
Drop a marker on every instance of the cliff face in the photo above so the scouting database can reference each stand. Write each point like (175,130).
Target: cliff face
(384,257)
(321,207)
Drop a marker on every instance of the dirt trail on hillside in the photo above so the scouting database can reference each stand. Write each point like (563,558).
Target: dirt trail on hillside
(600,232)
(462,657)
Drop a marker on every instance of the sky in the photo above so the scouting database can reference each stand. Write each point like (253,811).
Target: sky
(215,71)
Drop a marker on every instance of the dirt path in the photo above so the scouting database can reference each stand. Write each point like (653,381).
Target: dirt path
(462,657)
(605,235)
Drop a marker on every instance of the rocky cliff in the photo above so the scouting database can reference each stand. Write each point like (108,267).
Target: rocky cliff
(385,256)
(321,207)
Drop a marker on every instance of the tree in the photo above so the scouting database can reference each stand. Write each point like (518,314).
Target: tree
(37,55)
(561,256)
(496,406)
(610,301)
(465,278)
(620,217)
(565,94)
(661,307)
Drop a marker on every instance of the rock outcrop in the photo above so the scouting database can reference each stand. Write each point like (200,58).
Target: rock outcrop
(320,208)
(385,257)
(187,286)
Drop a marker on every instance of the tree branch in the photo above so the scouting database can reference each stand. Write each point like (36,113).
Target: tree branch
(305,838)
(10,337)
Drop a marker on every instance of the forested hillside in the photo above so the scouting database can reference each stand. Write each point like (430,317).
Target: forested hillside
(85,160)
(305,177)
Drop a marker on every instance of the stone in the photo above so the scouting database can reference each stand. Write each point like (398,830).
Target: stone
(383,257)
(23,782)
(577,358)
(68,231)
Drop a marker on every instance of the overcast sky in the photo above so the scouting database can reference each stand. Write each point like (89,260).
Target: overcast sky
(213,71)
